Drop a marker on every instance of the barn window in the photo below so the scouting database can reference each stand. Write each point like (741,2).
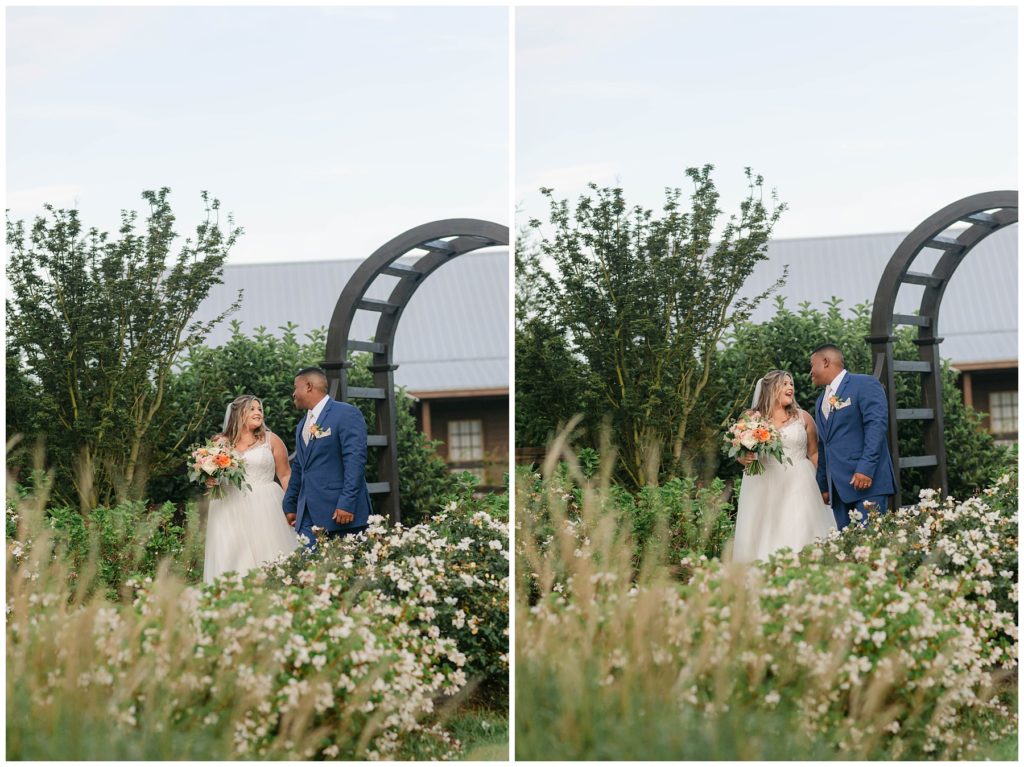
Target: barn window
(1002,406)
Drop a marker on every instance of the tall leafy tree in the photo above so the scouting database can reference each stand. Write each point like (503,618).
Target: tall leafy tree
(96,323)
(645,300)
(549,377)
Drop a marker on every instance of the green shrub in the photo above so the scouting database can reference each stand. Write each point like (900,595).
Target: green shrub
(111,546)
(448,576)
(673,522)
(550,381)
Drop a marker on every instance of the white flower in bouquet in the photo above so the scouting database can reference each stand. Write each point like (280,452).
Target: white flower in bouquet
(216,461)
(753,433)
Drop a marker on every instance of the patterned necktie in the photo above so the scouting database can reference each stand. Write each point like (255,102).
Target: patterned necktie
(306,430)
(826,405)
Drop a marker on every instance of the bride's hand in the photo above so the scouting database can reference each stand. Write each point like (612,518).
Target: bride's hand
(746,459)
(211,482)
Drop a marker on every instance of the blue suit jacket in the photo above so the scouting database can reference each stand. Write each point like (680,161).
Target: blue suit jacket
(329,472)
(853,440)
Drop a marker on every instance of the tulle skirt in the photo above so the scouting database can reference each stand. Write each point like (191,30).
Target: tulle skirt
(778,509)
(246,529)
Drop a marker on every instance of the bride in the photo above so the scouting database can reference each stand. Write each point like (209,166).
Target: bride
(781,507)
(246,527)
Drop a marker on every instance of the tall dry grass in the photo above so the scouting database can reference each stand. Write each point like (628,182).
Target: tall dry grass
(241,669)
(788,660)
(93,678)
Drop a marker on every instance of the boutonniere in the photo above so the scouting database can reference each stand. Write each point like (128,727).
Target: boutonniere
(836,404)
(316,431)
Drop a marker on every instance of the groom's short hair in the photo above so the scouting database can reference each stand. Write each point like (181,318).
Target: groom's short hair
(316,376)
(833,350)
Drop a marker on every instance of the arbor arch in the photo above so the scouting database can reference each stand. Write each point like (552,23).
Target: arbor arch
(983,214)
(434,245)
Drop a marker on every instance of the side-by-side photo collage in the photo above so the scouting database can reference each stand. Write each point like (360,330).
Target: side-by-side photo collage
(512,382)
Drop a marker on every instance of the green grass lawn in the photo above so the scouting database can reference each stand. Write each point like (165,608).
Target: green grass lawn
(483,732)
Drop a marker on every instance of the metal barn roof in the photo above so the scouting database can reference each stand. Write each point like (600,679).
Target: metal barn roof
(453,334)
(978,315)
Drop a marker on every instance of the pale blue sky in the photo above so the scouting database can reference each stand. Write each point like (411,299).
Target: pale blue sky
(866,119)
(326,131)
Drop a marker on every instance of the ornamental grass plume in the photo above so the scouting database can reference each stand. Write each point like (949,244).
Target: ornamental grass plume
(95,679)
(794,658)
(246,667)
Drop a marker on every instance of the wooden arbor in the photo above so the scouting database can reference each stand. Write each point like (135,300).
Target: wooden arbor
(432,245)
(982,214)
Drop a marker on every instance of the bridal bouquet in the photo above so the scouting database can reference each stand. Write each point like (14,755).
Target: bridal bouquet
(752,433)
(217,461)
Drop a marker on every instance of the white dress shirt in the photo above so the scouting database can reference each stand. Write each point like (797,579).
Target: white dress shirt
(831,389)
(313,415)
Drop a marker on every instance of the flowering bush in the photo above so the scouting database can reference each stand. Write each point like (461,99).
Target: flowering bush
(446,578)
(968,548)
(344,654)
(342,658)
(849,649)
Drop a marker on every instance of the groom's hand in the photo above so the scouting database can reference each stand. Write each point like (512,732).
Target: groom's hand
(343,517)
(861,481)
(291,519)
(824,497)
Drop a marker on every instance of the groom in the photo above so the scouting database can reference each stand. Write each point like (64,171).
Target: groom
(328,482)
(852,417)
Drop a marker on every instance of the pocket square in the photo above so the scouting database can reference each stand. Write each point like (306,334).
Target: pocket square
(845,403)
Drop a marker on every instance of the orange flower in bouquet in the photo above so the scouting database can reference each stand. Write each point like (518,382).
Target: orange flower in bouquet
(218,462)
(753,433)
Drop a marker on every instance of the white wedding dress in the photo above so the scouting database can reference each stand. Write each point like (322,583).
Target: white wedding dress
(246,528)
(781,507)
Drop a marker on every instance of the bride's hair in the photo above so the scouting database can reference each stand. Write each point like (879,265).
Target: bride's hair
(770,385)
(238,411)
